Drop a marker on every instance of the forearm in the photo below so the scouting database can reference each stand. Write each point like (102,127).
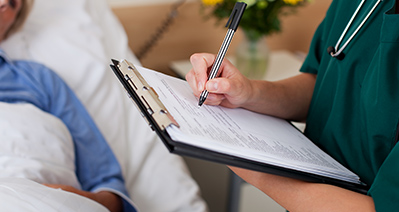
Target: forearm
(289,98)
(108,199)
(295,195)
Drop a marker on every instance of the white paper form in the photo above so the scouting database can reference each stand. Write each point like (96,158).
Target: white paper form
(240,132)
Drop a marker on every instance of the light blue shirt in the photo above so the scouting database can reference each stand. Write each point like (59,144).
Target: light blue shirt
(29,82)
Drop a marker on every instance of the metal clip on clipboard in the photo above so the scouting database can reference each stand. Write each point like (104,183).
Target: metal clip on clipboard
(143,95)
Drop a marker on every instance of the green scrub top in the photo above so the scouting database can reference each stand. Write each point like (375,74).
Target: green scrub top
(354,112)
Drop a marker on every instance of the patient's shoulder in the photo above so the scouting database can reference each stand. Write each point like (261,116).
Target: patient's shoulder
(37,71)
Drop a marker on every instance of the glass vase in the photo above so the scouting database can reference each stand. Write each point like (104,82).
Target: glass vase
(252,57)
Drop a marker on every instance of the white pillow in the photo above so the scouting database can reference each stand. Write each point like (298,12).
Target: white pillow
(77,39)
(64,36)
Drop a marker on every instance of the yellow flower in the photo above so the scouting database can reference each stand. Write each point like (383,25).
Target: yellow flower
(292,2)
(211,2)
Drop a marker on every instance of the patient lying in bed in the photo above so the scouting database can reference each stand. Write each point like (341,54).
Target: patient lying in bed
(72,155)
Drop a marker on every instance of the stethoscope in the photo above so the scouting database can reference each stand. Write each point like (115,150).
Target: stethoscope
(337,53)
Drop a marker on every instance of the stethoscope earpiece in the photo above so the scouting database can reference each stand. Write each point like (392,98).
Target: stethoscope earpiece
(331,51)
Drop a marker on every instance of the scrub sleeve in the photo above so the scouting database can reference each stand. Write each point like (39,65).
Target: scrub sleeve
(354,113)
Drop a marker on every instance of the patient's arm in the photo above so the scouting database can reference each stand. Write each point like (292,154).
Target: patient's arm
(108,199)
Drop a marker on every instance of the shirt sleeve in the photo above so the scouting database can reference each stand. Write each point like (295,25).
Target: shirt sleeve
(318,46)
(96,166)
(312,61)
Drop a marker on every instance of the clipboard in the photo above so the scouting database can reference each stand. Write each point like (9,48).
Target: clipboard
(158,118)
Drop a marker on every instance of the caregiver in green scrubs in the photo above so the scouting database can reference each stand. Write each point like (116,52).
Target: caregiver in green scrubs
(350,104)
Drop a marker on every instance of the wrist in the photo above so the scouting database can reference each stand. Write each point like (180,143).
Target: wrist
(108,199)
(255,95)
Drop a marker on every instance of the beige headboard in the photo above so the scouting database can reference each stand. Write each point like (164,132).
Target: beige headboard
(191,32)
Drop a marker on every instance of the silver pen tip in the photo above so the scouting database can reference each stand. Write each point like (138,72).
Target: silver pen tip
(201,101)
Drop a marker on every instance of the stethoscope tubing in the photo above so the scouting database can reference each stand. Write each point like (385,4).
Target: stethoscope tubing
(339,51)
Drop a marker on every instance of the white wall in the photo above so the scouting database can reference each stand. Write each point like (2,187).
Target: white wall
(118,3)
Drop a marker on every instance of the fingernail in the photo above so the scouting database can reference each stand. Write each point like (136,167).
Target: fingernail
(200,86)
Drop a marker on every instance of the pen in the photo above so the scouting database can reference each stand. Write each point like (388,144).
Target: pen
(232,25)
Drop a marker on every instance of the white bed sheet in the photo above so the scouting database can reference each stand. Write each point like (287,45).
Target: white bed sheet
(33,151)
(39,148)
(77,39)
(19,194)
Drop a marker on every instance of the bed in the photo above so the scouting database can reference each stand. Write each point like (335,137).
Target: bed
(77,39)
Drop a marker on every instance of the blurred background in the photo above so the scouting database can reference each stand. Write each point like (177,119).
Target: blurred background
(188,30)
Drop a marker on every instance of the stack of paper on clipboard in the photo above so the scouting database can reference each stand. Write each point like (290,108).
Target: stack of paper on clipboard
(236,137)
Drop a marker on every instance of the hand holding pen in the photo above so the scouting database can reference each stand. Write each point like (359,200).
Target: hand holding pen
(232,25)
(229,89)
